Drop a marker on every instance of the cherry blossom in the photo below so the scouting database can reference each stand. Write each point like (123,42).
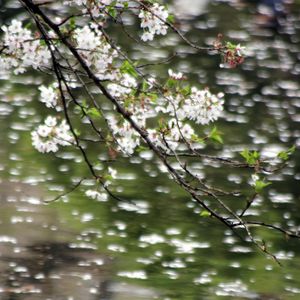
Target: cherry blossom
(153,21)
(50,96)
(22,50)
(48,136)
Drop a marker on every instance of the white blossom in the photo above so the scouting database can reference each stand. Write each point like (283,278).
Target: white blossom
(176,76)
(96,51)
(127,138)
(49,135)
(153,21)
(95,7)
(22,49)
(49,96)
(15,35)
(96,195)
(124,87)
(202,106)
(112,172)
(170,140)
(254,179)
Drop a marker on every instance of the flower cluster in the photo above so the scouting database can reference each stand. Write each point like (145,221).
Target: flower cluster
(99,193)
(170,137)
(96,195)
(94,3)
(95,7)
(202,106)
(153,17)
(153,21)
(96,51)
(175,76)
(50,96)
(127,138)
(178,108)
(22,50)
(125,85)
(234,55)
(50,135)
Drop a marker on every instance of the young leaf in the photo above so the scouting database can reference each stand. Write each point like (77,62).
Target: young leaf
(260,185)
(93,112)
(128,68)
(215,135)
(205,214)
(284,155)
(171,19)
(72,23)
(251,157)
(197,139)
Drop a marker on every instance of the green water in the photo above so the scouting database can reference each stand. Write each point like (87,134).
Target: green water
(78,248)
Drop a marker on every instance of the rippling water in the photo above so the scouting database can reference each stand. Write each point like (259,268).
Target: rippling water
(156,246)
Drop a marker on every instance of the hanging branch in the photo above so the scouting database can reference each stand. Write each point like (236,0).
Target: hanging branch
(73,50)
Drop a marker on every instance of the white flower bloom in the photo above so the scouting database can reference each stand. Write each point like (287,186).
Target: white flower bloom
(96,51)
(177,132)
(49,135)
(49,96)
(44,131)
(15,35)
(254,179)
(147,36)
(153,21)
(124,87)
(51,121)
(22,50)
(63,136)
(240,50)
(202,106)
(112,172)
(87,39)
(176,76)
(127,138)
(102,197)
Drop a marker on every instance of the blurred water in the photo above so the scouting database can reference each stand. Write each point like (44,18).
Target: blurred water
(157,247)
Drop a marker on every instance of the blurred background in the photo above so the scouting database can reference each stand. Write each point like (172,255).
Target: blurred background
(159,247)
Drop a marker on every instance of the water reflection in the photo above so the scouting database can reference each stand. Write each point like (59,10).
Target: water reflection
(156,245)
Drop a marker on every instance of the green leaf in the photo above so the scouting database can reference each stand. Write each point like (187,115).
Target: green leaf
(141,148)
(72,23)
(28,25)
(162,125)
(186,90)
(230,46)
(251,157)
(112,12)
(197,139)
(171,83)
(153,97)
(77,132)
(93,112)
(43,43)
(205,214)
(108,177)
(215,135)
(260,185)
(171,19)
(284,155)
(128,68)
(84,103)
(145,85)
